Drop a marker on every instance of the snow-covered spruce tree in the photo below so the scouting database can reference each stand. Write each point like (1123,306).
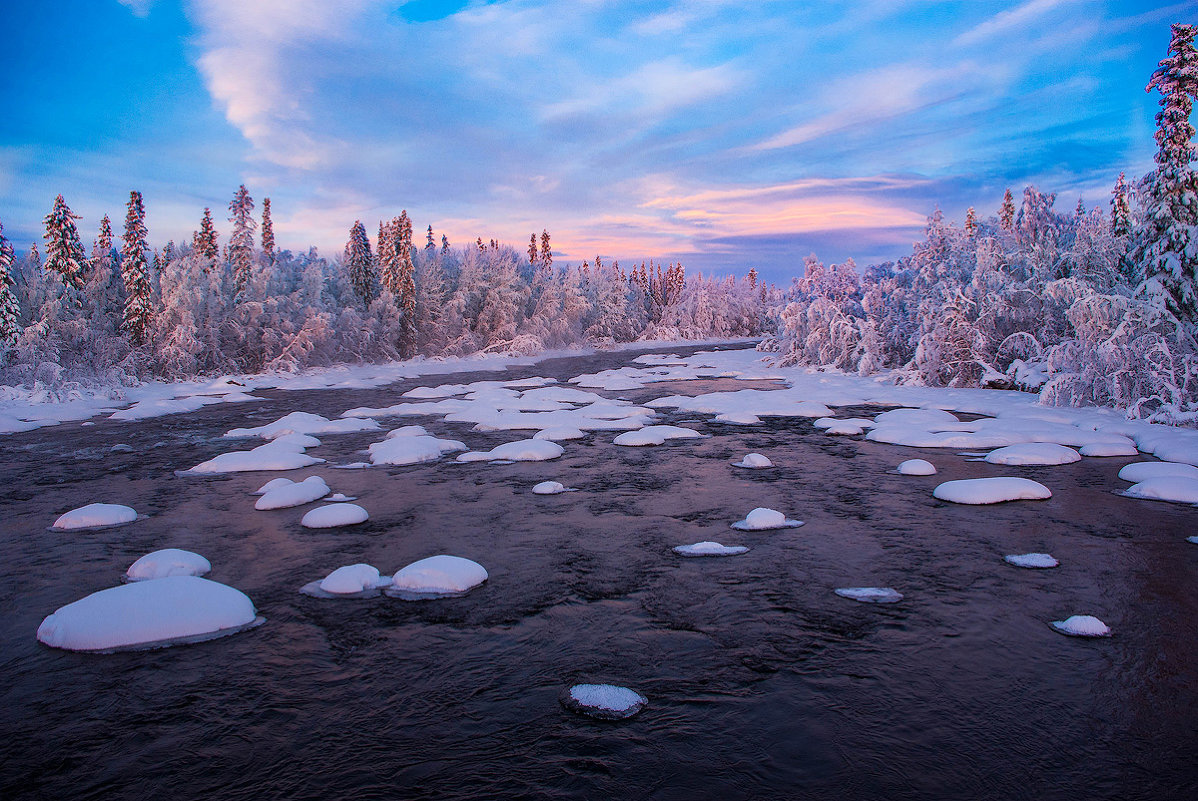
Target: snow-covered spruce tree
(1120,208)
(546,255)
(359,263)
(971,223)
(1167,241)
(268,232)
(204,243)
(1006,214)
(10,311)
(105,293)
(135,272)
(431,293)
(241,239)
(405,296)
(64,251)
(429,244)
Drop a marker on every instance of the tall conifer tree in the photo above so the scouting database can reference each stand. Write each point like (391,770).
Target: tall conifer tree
(360,263)
(64,251)
(268,232)
(134,271)
(241,240)
(1120,208)
(10,310)
(1006,214)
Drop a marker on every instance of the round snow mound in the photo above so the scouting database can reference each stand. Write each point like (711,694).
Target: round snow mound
(603,701)
(550,488)
(1193,539)
(437,576)
(274,483)
(166,563)
(1033,560)
(1176,489)
(843,429)
(524,450)
(559,433)
(763,519)
(917,467)
(708,548)
(335,514)
(1109,449)
(1082,626)
(312,488)
(95,515)
(654,435)
(149,614)
(1033,453)
(754,461)
(351,580)
(871,595)
(1142,471)
(991,490)
(738,418)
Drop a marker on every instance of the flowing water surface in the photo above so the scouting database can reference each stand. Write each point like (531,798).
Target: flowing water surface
(762,682)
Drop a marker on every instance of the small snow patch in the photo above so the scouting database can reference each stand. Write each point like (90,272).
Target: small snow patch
(312,488)
(551,488)
(655,435)
(524,450)
(604,701)
(1176,489)
(350,581)
(917,467)
(763,519)
(1033,560)
(1082,626)
(95,515)
(978,491)
(1109,449)
(708,548)
(871,595)
(166,563)
(436,577)
(738,418)
(335,514)
(1033,453)
(754,461)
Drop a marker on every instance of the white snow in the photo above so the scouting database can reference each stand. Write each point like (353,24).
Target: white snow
(1032,560)
(871,595)
(524,450)
(412,449)
(991,490)
(1110,449)
(763,519)
(438,575)
(1176,489)
(917,467)
(1143,471)
(274,483)
(738,418)
(335,514)
(352,579)
(95,515)
(305,423)
(924,418)
(312,488)
(655,435)
(339,497)
(559,433)
(1033,453)
(604,700)
(843,429)
(1193,539)
(168,562)
(280,454)
(148,614)
(708,548)
(754,461)
(551,488)
(1082,626)
(408,431)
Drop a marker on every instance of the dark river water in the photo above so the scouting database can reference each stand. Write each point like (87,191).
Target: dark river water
(762,682)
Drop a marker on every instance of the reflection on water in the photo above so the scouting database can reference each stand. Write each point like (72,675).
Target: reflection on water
(762,682)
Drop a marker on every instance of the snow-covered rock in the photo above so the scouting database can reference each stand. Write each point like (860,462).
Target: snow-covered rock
(335,514)
(991,490)
(1082,626)
(559,433)
(1033,453)
(437,576)
(924,418)
(551,488)
(1193,539)
(305,423)
(655,435)
(708,548)
(408,431)
(917,467)
(412,449)
(843,429)
(280,454)
(524,450)
(1143,471)
(352,580)
(312,488)
(1039,561)
(1110,449)
(274,483)
(754,461)
(738,418)
(1176,489)
(168,562)
(604,701)
(149,614)
(763,519)
(95,515)
(871,595)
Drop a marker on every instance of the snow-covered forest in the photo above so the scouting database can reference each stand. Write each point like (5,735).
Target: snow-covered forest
(1086,306)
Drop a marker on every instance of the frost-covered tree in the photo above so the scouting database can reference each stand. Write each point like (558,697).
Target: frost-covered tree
(204,241)
(64,251)
(268,232)
(532,250)
(241,240)
(105,290)
(1167,247)
(546,255)
(10,310)
(1120,208)
(135,272)
(359,263)
(971,223)
(1006,214)
(429,244)
(405,296)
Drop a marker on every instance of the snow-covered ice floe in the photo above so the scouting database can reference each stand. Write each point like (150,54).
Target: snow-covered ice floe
(916,467)
(284,453)
(1143,471)
(524,450)
(1110,449)
(437,577)
(166,563)
(412,449)
(95,515)
(708,548)
(754,461)
(603,701)
(1033,453)
(305,423)
(559,433)
(149,614)
(738,418)
(1033,560)
(871,595)
(551,488)
(655,435)
(1081,626)
(335,514)
(978,491)
(1175,489)
(295,493)
(763,519)
(274,483)
(350,581)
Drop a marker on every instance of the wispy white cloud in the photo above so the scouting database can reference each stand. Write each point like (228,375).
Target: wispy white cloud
(1013,19)
(140,8)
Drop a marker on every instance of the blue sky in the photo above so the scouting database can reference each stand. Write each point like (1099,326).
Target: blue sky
(725,135)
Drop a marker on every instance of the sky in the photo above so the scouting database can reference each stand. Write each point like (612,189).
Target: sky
(723,135)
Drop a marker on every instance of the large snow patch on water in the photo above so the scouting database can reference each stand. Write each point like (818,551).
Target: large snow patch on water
(437,576)
(991,490)
(166,563)
(95,515)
